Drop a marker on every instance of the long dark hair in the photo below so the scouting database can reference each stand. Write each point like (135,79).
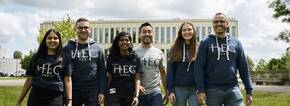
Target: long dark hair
(42,49)
(175,53)
(115,54)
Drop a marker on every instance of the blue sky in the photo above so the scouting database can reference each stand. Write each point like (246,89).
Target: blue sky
(20,19)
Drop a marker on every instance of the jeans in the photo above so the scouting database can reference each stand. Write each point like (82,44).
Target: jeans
(88,97)
(43,97)
(152,99)
(185,95)
(228,97)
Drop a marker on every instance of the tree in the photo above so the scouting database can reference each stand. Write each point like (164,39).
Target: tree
(66,29)
(26,60)
(251,65)
(261,67)
(17,55)
(282,11)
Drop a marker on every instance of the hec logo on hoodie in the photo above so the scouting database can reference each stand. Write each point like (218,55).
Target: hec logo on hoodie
(124,70)
(84,55)
(222,49)
(47,70)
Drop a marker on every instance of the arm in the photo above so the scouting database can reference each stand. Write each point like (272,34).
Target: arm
(163,77)
(25,89)
(137,87)
(68,89)
(242,66)
(170,77)
(102,74)
(199,68)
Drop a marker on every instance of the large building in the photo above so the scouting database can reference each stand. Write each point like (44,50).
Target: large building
(104,31)
(2,52)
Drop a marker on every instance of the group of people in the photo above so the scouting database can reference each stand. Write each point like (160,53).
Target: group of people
(196,74)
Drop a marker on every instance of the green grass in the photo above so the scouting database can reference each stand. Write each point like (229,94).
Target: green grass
(9,95)
(11,78)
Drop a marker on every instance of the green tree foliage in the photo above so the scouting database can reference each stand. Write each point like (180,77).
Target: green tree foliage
(26,60)
(282,11)
(261,67)
(17,55)
(66,29)
(251,65)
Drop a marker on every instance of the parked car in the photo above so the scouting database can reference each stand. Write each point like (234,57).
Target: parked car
(20,73)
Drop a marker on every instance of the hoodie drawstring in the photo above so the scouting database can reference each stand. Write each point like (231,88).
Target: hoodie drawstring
(184,57)
(89,52)
(218,48)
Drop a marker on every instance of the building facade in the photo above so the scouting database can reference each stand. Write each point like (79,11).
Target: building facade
(104,31)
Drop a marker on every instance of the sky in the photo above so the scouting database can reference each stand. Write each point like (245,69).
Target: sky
(20,19)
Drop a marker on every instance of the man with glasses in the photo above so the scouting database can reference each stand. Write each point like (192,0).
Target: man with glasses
(220,57)
(89,78)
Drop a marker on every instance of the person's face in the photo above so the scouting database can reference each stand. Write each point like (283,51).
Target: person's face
(124,43)
(220,24)
(83,30)
(146,35)
(187,32)
(52,41)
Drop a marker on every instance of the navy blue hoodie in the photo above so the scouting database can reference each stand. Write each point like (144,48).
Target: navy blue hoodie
(180,73)
(217,66)
(88,65)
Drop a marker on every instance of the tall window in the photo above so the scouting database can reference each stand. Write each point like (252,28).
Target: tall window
(156,34)
(234,31)
(208,30)
(134,35)
(168,34)
(129,30)
(101,35)
(117,31)
(174,34)
(162,35)
(106,35)
(112,35)
(198,33)
(203,31)
(96,34)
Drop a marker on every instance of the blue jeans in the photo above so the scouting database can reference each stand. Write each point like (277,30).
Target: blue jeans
(184,95)
(152,99)
(229,97)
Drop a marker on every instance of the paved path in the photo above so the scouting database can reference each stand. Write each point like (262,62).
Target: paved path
(18,82)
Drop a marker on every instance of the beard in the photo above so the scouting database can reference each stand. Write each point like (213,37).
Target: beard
(220,29)
(147,40)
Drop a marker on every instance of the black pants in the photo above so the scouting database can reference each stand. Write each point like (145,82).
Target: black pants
(42,97)
(120,97)
(88,97)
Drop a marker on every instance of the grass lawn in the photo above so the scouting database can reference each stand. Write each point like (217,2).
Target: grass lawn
(9,97)
(12,78)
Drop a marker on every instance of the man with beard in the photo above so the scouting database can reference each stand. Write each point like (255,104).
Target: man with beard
(152,63)
(89,77)
(220,57)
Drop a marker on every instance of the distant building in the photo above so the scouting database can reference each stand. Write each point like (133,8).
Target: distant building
(10,66)
(2,52)
(104,31)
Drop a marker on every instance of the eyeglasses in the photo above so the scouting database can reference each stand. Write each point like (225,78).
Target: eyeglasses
(83,27)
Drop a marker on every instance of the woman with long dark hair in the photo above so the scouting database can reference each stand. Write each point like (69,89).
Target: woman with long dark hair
(123,67)
(180,67)
(48,74)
